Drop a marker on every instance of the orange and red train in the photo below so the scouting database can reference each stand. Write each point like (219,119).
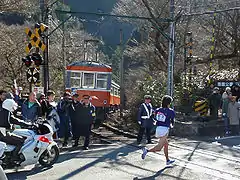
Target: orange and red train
(94,79)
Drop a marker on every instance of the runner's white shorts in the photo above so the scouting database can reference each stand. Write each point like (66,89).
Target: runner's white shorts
(161,131)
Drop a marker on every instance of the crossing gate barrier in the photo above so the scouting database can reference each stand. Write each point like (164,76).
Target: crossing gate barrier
(201,107)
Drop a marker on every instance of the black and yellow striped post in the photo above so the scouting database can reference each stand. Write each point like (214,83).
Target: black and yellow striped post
(212,50)
(201,107)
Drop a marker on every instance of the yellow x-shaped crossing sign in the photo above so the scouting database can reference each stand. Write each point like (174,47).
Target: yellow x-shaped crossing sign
(35,39)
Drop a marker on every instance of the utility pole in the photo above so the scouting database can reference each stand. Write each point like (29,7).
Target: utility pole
(190,58)
(121,76)
(46,58)
(238,52)
(186,34)
(63,58)
(45,19)
(171,51)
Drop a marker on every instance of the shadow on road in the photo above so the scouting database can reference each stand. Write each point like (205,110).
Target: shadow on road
(155,175)
(114,158)
(23,174)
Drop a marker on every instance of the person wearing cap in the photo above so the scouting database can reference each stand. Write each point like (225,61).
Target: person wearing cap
(73,113)
(64,131)
(145,120)
(234,115)
(85,116)
(214,101)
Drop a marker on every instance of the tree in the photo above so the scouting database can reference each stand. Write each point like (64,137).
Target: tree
(11,53)
(156,47)
(155,43)
(19,6)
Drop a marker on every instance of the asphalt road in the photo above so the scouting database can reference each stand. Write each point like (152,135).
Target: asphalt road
(194,160)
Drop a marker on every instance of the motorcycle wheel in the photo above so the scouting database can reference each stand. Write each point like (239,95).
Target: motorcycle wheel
(47,160)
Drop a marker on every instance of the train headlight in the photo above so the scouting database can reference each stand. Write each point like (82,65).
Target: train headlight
(105,102)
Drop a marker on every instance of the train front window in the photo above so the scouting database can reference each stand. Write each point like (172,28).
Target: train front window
(75,79)
(88,81)
(102,81)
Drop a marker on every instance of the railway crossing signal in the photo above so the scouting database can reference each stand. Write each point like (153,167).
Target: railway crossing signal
(32,75)
(35,38)
(27,60)
(35,58)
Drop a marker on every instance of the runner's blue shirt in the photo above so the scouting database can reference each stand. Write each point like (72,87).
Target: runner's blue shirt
(164,116)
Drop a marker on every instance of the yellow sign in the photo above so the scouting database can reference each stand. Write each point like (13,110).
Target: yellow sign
(201,107)
(35,41)
(40,29)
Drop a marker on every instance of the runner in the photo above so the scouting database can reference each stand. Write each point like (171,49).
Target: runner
(164,117)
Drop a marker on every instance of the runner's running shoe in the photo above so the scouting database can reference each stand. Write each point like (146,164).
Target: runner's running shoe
(169,162)
(145,151)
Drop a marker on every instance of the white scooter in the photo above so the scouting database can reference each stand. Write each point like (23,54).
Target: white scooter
(38,147)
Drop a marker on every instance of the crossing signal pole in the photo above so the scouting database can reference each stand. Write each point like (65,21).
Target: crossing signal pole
(122,89)
(189,58)
(170,86)
(45,19)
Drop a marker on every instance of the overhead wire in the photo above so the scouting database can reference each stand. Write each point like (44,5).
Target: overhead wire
(212,12)
(211,4)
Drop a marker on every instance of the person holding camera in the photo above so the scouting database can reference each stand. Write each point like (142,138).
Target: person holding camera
(63,111)
(49,109)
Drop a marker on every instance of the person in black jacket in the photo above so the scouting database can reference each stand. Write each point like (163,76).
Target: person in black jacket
(83,118)
(8,118)
(236,92)
(73,113)
(64,132)
(46,104)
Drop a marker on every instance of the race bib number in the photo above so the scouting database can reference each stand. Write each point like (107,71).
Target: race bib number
(161,117)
